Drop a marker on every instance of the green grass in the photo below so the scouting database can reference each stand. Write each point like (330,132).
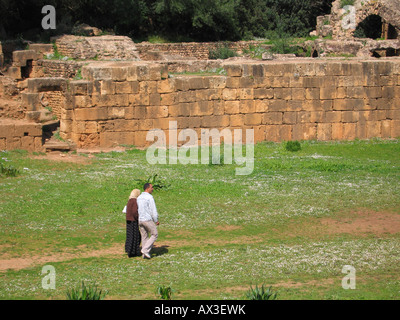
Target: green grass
(219,233)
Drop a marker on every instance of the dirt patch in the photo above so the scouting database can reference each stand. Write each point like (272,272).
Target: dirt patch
(227,228)
(65,157)
(27,262)
(363,222)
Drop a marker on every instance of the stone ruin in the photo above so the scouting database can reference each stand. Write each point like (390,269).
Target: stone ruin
(107,91)
(364,28)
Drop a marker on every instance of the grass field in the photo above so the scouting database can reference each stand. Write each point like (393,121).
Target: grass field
(294,223)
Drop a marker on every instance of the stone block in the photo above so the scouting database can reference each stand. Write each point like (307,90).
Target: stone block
(289,118)
(229,94)
(348,104)
(333,116)
(215,121)
(116,112)
(7,130)
(233,70)
(355,92)
(304,131)
(312,93)
(20,57)
(166,86)
(328,93)
(263,93)
(298,93)
(249,106)
(232,107)
(15,73)
(246,94)
(294,105)
(154,112)
(237,120)
(31,130)
(386,129)
(349,131)
(272,118)
(169,99)
(324,131)
(350,116)
(80,87)
(282,93)
(218,82)
(196,83)
(30,101)
(87,114)
(278,105)
(259,106)
(303,117)
(253,119)
(337,131)
(317,116)
(3,144)
(114,139)
(373,129)
(395,130)
(219,107)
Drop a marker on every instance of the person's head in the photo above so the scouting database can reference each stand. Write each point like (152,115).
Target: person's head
(148,187)
(134,194)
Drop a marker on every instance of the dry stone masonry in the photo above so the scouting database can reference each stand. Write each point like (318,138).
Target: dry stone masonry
(305,99)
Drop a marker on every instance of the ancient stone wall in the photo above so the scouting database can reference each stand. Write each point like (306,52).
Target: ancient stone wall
(20,135)
(197,50)
(305,99)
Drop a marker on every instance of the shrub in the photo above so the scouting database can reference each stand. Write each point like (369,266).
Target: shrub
(261,293)
(84,292)
(222,52)
(344,3)
(157,183)
(164,292)
(293,146)
(8,171)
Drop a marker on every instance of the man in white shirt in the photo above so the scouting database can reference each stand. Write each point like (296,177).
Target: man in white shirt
(148,220)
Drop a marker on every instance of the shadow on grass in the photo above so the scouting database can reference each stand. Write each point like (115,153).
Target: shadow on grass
(159,251)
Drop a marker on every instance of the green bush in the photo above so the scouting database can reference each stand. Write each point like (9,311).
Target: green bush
(344,3)
(157,183)
(8,171)
(293,146)
(261,293)
(222,52)
(84,292)
(164,292)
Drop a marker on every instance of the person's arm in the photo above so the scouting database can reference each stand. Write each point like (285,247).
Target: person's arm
(153,208)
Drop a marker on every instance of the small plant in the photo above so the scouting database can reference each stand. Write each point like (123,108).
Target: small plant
(164,292)
(293,146)
(261,293)
(78,75)
(8,171)
(157,184)
(344,3)
(83,292)
(222,52)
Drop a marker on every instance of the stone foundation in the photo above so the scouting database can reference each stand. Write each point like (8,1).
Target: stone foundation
(303,99)
(20,135)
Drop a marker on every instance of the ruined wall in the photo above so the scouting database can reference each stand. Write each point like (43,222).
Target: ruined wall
(304,99)
(342,21)
(197,50)
(20,135)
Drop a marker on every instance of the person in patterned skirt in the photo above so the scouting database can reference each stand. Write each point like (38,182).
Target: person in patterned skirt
(133,237)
